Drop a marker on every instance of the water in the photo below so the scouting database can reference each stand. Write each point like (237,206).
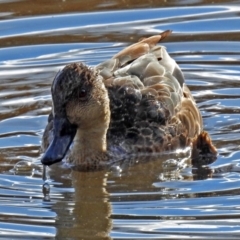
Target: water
(147,201)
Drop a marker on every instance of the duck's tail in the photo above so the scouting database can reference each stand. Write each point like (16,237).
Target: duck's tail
(203,150)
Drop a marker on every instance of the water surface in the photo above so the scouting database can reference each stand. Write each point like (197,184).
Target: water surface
(147,201)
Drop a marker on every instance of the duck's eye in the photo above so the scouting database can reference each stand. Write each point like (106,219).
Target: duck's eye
(82,94)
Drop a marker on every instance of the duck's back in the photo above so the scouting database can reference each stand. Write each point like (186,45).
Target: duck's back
(151,107)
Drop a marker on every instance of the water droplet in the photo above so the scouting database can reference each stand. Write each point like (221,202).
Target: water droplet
(46,192)
(23,166)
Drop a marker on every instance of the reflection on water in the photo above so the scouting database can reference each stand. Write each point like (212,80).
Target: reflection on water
(146,200)
(84,212)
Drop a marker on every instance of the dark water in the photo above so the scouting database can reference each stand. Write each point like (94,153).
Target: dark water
(147,201)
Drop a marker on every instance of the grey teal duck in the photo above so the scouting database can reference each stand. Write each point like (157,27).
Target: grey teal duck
(136,103)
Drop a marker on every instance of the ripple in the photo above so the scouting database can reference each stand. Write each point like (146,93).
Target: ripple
(141,202)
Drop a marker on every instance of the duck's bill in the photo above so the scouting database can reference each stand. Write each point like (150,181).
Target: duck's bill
(64,133)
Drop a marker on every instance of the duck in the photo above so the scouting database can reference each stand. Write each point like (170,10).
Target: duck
(135,104)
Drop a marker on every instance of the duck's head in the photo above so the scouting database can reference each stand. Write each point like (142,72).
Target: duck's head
(80,104)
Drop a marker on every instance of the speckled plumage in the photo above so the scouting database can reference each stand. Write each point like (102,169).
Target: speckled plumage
(137,102)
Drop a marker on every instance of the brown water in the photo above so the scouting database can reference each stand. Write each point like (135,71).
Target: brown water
(147,201)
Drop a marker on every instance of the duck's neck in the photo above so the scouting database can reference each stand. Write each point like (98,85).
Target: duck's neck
(90,146)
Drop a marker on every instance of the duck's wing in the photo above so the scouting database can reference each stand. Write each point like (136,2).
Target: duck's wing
(147,72)
(152,108)
(139,49)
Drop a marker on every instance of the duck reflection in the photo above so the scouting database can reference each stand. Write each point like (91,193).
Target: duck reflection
(83,200)
(84,213)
